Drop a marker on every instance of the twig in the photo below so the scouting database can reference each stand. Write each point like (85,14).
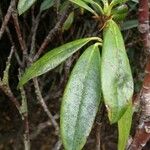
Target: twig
(4,83)
(11,41)
(43,104)
(20,38)
(39,129)
(57,145)
(98,136)
(11,96)
(7,17)
(34,28)
(143,131)
(24,114)
(53,32)
(13,44)
(26,133)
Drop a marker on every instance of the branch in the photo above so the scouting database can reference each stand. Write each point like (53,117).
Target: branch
(4,83)
(18,30)
(24,114)
(43,104)
(39,129)
(144,23)
(7,17)
(35,24)
(53,32)
(143,131)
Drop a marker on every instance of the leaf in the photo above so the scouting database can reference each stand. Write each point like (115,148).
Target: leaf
(68,22)
(105,2)
(136,1)
(81,100)
(115,2)
(24,5)
(84,5)
(53,58)
(97,7)
(129,24)
(117,82)
(119,17)
(46,4)
(124,126)
(120,12)
(120,9)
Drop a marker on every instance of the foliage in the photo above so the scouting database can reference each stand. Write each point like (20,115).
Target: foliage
(81,99)
(24,5)
(117,82)
(100,83)
(82,95)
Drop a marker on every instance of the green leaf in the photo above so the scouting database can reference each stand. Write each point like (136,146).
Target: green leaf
(95,5)
(129,24)
(120,9)
(105,3)
(117,82)
(68,22)
(115,2)
(124,126)
(82,4)
(46,4)
(119,17)
(120,12)
(136,1)
(53,58)
(24,5)
(81,100)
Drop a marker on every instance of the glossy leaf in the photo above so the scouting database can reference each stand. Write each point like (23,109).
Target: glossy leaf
(68,22)
(117,82)
(119,17)
(97,7)
(81,100)
(124,126)
(82,4)
(53,58)
(136,1)
(24,5)
(46,4)
(120,9)
(115,2)
(120,12)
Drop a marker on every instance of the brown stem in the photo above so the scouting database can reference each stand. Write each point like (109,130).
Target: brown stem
(18,30)
(143,131)
(144,23)
(26,133)
(53,32)
(98,136)
(43,104)
(7,17)
(39,129)
(35,24)
(4,83)
(10,95)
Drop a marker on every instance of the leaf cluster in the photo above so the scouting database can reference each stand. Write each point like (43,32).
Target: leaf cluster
(94,77)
